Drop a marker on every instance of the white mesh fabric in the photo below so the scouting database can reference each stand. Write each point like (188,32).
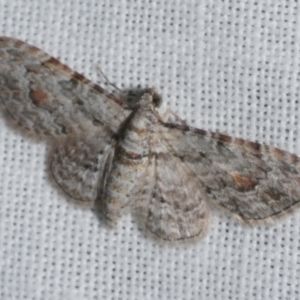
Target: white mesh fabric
(231,66)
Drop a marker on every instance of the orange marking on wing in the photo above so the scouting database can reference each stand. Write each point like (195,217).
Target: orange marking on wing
(33,50)
(279,154)
(243,182)
(38,96)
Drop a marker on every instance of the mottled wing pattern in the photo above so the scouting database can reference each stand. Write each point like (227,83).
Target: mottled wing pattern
(176,208)
(136,160)
(79,165)
(46,97)
(253,181)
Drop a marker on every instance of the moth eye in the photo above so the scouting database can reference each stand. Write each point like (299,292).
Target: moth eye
(157,100)
(156,97)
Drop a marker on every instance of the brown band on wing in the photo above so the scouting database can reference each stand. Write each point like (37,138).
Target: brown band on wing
(32,50)
(129,154)
(222,138)
(18,43)
(252,147)
(278,153)
(116,99)
(98,88)
(80,77)
(56,64)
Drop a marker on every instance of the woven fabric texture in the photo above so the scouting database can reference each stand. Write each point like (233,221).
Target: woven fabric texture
(228,66)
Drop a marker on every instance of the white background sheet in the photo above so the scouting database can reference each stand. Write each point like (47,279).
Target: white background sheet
(231,66)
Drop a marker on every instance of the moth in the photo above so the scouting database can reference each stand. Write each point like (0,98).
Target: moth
(131,158)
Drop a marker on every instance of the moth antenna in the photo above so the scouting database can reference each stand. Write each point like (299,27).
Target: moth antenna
(107,81)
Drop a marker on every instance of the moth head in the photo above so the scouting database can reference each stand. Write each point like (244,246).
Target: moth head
(143,98)
(151,98)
